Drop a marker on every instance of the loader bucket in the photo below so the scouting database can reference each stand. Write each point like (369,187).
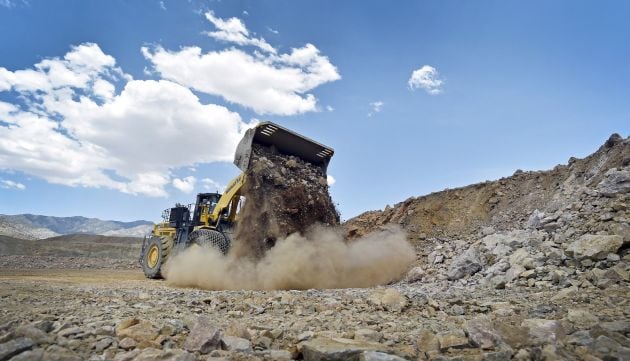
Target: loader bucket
(285,141)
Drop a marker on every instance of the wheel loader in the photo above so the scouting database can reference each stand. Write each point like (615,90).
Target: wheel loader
(210,221)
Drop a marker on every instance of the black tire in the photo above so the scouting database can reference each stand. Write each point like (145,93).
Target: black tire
(155,255)
(211,239)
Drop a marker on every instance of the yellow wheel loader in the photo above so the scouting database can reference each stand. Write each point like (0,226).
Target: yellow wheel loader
(210,221)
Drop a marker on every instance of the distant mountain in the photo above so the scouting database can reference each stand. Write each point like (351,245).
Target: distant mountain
(33,226)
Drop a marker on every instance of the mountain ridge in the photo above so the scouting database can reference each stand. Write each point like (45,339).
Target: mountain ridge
(34,226)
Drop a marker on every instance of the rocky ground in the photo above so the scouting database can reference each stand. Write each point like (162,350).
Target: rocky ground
(531,267)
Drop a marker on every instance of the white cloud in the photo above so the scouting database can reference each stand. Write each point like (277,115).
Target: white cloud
(13,3)
(9,184)
(162,5)
(73,128)
(375,107)
(233,30)
(329,108)
(427,78)
(330,180)
(211,185)
(274,31)
(268,83)
(185,185)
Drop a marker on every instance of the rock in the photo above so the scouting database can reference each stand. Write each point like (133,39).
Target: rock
(127,343)
(378,356)
(127,356)
(514,272)
(71,331)
(521,257)
(14,347)
(305,336)
(498,282)
(452,339)
(580,338)
(275,355)
(57,353)
(466,264)
(615,181)
(543,331)
(141,331)
(151,354)
(534,221)
(368,335)
(232,343)
(37,335)
(390,299)
(582,318)
(102,344)
(203,337)
(594,246)
(415,275)
(32,355)
(238,330)
(327,349)
(565,293)
(427,342)
(44,325)
(616,326)
(481,333)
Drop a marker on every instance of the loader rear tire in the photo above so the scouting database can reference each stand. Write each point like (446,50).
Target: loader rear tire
(210,238)
(155,255)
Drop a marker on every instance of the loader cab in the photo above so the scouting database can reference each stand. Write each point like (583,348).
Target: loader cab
(178,216)
(204,206)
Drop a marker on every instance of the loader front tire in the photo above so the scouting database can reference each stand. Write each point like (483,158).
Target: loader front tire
(155,255)
(210,238)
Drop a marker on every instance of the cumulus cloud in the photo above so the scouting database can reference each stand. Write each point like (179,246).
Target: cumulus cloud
(427,78)
(9,184)
(269,83)
(375,107)
(211,185)
(233,30)
(74,129)
(185,185)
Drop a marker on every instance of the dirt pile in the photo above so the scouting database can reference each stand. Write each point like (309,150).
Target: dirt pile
(284,195)
(588,186)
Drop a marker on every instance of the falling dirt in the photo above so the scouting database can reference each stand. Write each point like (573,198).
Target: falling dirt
(319,259)
(284,195)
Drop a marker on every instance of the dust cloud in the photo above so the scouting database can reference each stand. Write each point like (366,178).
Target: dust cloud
(319,259)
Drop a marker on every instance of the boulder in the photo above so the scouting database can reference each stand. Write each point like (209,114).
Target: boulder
(615,181)
(14,347)
(543,331)
(58,353)
(466,264)
(452,339)
(482,333)
(141,331)
(232,343)
(333,349)
(203,337)
(594,246)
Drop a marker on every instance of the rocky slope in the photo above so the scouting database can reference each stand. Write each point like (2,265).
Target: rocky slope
(32,226)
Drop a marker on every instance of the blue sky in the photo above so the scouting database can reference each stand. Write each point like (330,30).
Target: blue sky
(91,124)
